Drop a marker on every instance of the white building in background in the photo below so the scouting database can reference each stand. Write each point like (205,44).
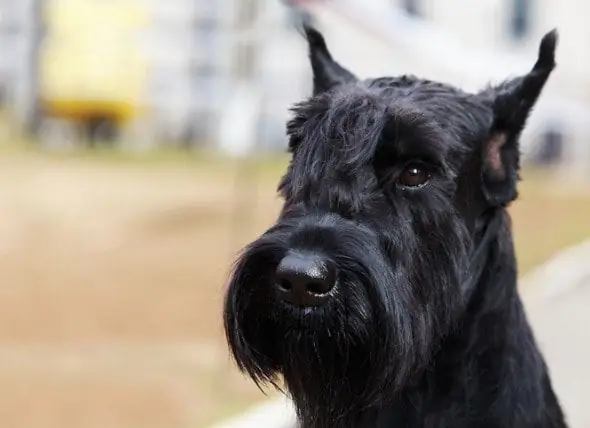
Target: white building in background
(280,71)
(19,37)
(189,48)
(206,60)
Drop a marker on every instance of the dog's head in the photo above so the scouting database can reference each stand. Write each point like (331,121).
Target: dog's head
(388,193)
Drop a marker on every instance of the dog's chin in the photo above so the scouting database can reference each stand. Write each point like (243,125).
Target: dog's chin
(332,373)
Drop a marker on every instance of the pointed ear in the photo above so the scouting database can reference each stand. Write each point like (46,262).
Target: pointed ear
(327,73)
(512,103)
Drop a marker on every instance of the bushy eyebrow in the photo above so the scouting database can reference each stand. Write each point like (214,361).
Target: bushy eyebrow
(408,134)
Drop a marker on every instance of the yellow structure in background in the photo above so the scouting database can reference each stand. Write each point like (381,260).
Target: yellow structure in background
(91,62)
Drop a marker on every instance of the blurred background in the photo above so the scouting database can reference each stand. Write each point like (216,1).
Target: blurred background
(141,142)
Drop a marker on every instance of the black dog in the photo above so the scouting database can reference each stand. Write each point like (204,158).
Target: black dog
(385,295)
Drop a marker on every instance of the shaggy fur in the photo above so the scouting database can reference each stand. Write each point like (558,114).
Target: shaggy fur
(425,328)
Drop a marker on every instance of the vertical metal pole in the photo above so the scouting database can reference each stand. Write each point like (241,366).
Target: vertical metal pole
(245,183)
(245,199)
(37,33)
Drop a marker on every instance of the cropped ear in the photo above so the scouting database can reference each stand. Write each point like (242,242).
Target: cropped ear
(327,73)
(512,103)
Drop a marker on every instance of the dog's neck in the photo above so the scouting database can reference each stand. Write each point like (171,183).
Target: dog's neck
(487,231)
(475,351)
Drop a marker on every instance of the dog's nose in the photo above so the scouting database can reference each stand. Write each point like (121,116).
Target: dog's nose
(305,279)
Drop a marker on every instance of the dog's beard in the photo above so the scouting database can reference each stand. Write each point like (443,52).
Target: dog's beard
(337,366)
(349,357)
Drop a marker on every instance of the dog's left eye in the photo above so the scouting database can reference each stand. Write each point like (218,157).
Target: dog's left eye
(413,175)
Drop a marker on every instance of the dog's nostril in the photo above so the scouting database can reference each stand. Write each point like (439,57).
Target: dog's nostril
(285,285)
(317,287)
(305,279)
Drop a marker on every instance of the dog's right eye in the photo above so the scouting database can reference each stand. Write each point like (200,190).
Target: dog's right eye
(413,175)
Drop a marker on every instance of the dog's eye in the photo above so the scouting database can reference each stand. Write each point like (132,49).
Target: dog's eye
(413,175)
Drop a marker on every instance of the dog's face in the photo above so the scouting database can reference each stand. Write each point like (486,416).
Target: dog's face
(386,194)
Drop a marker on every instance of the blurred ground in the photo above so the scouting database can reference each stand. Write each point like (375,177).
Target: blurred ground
(562,324)
(112,278)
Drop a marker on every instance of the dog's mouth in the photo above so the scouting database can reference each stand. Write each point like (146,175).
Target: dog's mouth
(306,316)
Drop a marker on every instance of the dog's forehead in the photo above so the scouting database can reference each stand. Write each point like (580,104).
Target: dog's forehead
(412,84)
(362,112)
(449,106)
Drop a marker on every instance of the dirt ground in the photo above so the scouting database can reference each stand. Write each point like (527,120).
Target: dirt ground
(111,284)
(110,294)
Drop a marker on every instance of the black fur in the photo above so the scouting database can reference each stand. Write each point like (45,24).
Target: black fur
(426,328)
